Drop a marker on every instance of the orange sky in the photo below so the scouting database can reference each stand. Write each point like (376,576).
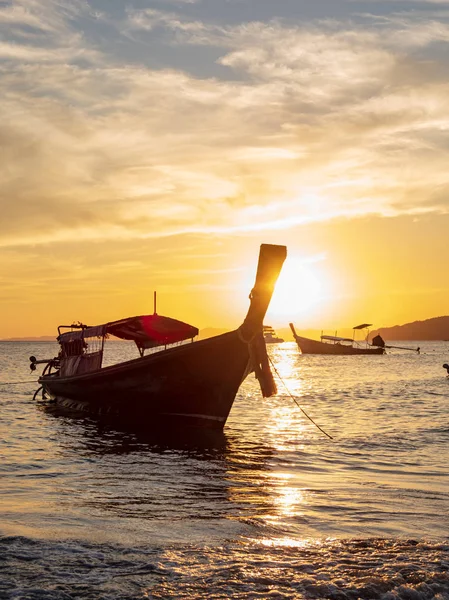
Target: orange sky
(153,149)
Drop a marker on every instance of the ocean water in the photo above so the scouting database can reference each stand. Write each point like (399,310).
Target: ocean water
(271,508)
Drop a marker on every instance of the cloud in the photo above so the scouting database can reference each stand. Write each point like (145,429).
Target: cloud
(321,120)
(149,19)
(37,31)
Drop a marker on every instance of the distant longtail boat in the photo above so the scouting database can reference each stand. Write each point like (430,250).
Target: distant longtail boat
(270,335)
(333,344)
(178,383)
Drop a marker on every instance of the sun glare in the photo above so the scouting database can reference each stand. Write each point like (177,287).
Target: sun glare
(298,290)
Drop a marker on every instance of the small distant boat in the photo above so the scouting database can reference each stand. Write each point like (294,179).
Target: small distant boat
(270,336)
(181,382)
(333,344)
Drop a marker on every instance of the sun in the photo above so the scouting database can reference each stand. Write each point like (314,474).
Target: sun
(300,288)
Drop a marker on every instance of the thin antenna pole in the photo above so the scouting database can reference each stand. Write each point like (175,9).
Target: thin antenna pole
(154,302)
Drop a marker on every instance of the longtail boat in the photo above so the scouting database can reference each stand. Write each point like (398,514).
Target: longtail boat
(181,382)
(270,335)
(333,344)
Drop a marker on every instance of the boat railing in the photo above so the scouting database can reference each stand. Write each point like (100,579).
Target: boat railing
(335,339)
(154,349)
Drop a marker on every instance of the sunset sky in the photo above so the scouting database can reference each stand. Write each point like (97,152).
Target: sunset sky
(154,145)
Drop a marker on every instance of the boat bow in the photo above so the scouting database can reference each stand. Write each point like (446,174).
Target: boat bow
(271,259)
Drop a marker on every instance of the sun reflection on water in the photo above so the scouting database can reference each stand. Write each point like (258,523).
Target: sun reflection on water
(285,360)
(287,372)
(285,428)
(286,431)
(288,500)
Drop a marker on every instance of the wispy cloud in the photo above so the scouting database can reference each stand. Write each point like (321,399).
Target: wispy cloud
(149,19)
(314,121)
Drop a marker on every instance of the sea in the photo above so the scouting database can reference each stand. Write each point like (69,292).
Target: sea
(271,508)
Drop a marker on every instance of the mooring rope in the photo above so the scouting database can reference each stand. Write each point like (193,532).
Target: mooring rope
(298,405)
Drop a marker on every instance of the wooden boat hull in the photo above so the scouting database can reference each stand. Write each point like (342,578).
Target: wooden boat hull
(308,346)
(194,384)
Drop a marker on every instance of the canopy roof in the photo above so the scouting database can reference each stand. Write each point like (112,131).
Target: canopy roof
(334,338)
(146,330)
(363,326)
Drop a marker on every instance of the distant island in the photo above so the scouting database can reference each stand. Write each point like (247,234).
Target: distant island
(430,329)
(41,338)
(436,328)
(204,334)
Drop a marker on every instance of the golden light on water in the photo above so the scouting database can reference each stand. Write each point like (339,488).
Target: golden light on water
(285,362)
(285,425)
(288,499)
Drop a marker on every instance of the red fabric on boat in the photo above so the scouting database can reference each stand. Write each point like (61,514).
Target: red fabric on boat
(147,331)
(166,330)
(152,330)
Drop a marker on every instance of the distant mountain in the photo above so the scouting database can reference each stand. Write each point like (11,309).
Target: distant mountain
(430,329)
(42,338)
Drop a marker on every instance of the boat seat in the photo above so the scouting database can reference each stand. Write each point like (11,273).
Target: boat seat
(69,366)
(84,363)
(90,362)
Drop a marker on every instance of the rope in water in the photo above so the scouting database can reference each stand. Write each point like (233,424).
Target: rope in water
(298,405)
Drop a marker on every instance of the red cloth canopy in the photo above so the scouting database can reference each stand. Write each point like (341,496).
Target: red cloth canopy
(152,330)
(147,331)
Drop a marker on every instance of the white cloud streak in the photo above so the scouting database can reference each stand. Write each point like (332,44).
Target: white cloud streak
(326,120)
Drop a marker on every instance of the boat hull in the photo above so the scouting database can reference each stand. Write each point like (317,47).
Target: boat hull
(308,346)
(190,385)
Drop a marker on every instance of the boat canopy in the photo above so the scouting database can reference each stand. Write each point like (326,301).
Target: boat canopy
(334,338)
(363,326)
(147,331)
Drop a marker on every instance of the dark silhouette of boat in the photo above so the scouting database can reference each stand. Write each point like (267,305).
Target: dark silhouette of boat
(332,344)
(183,382)
(270,336)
